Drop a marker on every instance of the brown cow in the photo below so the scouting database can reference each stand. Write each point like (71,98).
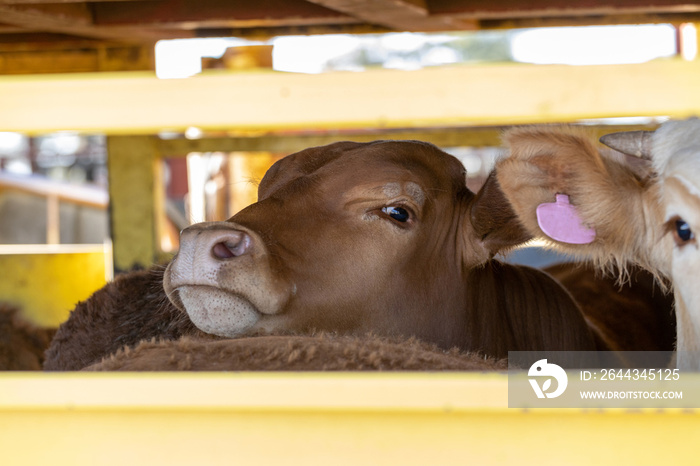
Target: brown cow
(379,237)
(323,352)
(22,344)
(124,312)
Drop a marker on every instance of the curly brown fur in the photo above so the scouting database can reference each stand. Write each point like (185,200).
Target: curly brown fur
(610,195)
(22,344)
(528,313)
(323,352)
(131,308)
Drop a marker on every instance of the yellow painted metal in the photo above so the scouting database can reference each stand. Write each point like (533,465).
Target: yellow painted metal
(46,281)
(317,418)
(334,419)
(86,57)
(132,171)
(285,143)
(459,95)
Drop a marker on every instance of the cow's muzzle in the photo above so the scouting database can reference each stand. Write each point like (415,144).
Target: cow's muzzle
(222,278)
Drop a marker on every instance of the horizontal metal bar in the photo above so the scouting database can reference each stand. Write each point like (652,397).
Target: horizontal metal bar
(506,94)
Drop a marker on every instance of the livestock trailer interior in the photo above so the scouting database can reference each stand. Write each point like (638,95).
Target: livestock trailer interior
(89,68)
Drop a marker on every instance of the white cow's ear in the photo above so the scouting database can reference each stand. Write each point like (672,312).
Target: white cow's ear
(493,220)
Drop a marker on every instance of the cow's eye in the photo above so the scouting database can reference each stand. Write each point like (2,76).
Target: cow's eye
(397,213)
(683,233)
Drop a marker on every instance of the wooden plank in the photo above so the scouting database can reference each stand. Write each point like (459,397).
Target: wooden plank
(73,19)
(127,103)
(267,32)
(216,13)
(401,15)
(589,20)
(132,193)
(485,9)
(43,16)
(33,40)
(4,29)
(21,2)
(148,21)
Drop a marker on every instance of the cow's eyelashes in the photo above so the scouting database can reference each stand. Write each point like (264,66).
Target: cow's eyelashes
(682,233)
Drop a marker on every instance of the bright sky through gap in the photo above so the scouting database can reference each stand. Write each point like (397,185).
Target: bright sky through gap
(593,45)
(181,58)
(309,54)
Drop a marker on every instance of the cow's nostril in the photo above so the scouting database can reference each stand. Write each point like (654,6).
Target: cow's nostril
(221,251)
(228,248)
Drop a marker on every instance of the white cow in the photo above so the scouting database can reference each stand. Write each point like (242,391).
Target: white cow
(639,212)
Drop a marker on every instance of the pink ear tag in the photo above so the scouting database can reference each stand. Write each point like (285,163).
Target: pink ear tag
(560,221)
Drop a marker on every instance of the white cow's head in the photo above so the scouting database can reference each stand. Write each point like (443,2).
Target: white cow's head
(674,150)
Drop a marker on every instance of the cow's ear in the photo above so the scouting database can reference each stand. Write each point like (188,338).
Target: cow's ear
(493,220)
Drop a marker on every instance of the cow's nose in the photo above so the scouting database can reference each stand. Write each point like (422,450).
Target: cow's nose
(233,244)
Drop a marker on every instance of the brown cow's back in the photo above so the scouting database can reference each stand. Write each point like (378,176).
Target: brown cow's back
(22,344)
(124,312)
(635,316)
(525,314)
(518,308)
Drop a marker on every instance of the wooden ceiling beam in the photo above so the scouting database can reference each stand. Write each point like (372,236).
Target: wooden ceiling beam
(195,14)
(144,22)
(265,33)
(74,19)
(511,9)
(28,40)
(35,2)
(401,15)
(12,29)
(591,20)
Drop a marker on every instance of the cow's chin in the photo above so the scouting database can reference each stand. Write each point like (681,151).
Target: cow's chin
(216,311)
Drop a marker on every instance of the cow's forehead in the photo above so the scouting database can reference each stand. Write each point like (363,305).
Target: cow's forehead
(379,161)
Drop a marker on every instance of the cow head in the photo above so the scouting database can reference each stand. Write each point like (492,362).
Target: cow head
(349,237)
(674,151)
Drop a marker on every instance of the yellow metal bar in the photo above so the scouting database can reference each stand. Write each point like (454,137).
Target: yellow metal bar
(54,269)
(285,143)
(317,418)
(85,57)
(131,164)
(460,95)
